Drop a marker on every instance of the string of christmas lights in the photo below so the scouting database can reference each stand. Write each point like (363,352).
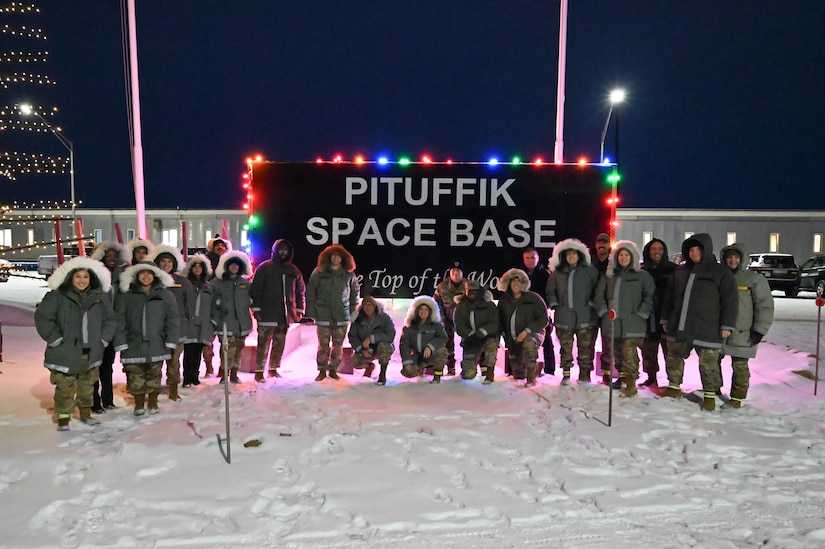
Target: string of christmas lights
(19,7)
(23,32)
(24,57)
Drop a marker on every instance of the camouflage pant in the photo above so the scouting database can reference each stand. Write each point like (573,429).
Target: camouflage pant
(678,351)
(584,343)
(173,366)
(143,378)
(234,349)
(741,378)
(478,353)
(73,390)
(625,354)
(327,359)
(523,359)
(650,353)
(416,368)
(277,336)
(383,352)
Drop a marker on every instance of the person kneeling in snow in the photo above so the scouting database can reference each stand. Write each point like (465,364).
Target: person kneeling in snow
(147,330)
(476,321)
(753,320)
(523,317)
(77,322)
(371,336)
(423,340)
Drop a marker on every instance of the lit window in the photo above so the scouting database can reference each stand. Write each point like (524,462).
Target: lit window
(5,237)
(773,247)
(98,235)
(731,238)
(170,237)
(647,236)
(817,243)
(30,237)
(130,235)
(688,234)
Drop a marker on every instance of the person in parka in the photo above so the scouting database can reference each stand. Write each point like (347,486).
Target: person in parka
(332,295)
(523,319)
(655,261)
(624,299)
(139,250)
(371,336)
(570,290)
(444,295)
(278,293)
(171,261)
(230,307)
(753,320)
(114,257)
(77,322)
(147,330)
(199,329)
(699,312)
(423,340)
(476,322)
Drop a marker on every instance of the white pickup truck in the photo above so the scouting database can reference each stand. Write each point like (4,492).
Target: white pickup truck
(46,264)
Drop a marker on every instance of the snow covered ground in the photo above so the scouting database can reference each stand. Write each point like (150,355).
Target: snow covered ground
(351,464)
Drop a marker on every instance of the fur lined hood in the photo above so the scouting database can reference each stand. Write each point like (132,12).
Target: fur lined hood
(635,258)
(161,249)
(137,243)
(130,275)
(347,261)
(504,281)
(737,248)
(435,315)
(210,245)
(124,255)
(234,257)
(64,273)
(197,258)
(557,259)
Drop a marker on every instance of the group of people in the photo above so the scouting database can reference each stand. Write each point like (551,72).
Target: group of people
(150,305)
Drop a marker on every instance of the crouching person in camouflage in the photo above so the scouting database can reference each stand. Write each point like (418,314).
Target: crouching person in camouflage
(147,330)
(476,321)
(423,340)
(523,316)
(371,336)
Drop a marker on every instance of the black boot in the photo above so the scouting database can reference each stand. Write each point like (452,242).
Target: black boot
(322,375)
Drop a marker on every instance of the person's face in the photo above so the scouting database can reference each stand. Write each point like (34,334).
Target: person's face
(146,278)
(369,308)
(110,259)
(695,254)
(732,261)
(623,257)
(456,275)
(516,285)
(219,248)
(166,264)
(197,270)
(656,251)
(531,259)
(335,260)
(81,280)
(602,248)
(233,268)
(572,257)
(423,312)
(140,254)
(283,253)
(471,294)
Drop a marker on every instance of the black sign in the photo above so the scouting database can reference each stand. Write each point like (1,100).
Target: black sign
(406,224)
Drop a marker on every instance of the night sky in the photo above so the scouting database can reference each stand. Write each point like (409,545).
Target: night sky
(725,99)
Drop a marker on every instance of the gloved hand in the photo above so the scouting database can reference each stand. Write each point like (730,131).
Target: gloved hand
(755,338)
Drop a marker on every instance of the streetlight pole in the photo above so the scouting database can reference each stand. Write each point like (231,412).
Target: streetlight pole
(27,110)
(616,97)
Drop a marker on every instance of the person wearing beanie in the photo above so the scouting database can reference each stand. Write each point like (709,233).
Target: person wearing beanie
(332,295)
(523,319)
(114,257)
(624,300)
(230,309)
(170,261)
(423,340)
(77,322)
(148,327)
(278,294)
(445,294)
(371,336)
(570,291)
(199,329)
(476,322)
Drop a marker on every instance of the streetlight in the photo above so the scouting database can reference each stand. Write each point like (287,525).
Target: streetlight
(616,97)
(26,110)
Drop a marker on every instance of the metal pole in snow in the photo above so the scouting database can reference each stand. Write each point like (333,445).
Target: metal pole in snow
(225,367)
(820,301)
(612,315)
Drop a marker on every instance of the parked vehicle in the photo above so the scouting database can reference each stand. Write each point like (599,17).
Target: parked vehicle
(5,268)
(812,275)
(780,270)
(46,264)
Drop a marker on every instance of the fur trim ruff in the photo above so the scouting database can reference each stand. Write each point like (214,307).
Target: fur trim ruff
(137,243)
(635,258)
(347,261)
(236,256)
(504,281)
(62,273)
(210,245)
(124,255)
(130,275)
(166,249)
(197,258)
(569,244)
(435,314)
